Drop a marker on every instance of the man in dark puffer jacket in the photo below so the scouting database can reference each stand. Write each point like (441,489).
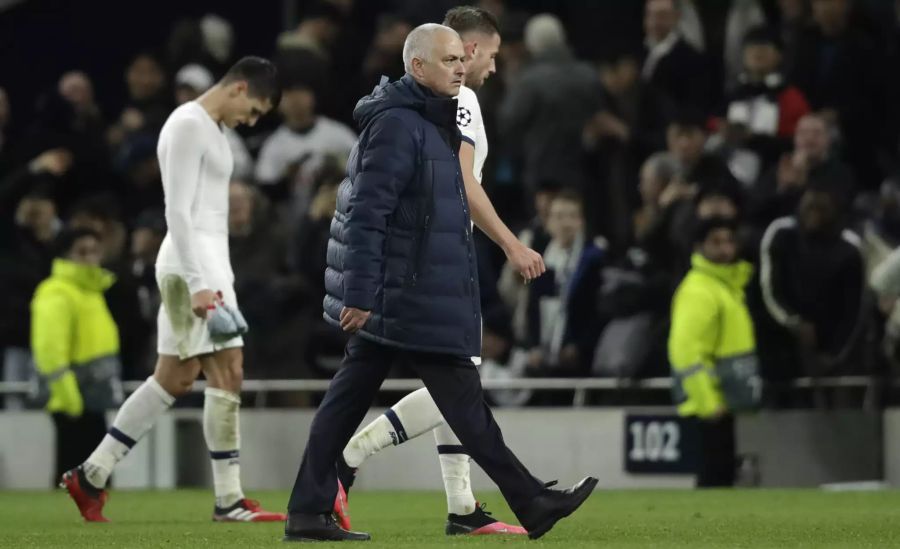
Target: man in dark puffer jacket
(402,276)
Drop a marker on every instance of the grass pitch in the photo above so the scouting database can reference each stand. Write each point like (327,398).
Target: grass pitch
(689,519)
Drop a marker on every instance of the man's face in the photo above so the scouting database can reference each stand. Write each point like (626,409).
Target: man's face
(443,71)
(619,77)
(86,251)
(38,214)
(817,211)
(77,89)
(566,220)
(685,143)
(145,78)
(829,15)
(720,246)
(481,55)
(811,138)
(145,243)
(660,18)
(761,59)
(244,109)
(390,40)
(297,106)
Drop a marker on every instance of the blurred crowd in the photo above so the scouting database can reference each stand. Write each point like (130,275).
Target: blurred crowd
(615,129)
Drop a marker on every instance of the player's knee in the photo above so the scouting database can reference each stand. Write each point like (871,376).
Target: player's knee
(176,386)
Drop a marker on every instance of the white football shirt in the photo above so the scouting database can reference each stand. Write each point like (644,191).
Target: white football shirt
(471,125)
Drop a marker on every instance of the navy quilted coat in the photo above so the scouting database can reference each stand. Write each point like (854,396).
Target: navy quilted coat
(401,240)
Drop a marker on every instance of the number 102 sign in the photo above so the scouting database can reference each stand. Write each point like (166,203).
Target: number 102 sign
(659,444)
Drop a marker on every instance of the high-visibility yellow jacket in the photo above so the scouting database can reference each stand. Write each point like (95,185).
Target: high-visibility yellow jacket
(710,324)
(74,340)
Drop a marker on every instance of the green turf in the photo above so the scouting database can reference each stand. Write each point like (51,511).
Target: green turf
(749,518)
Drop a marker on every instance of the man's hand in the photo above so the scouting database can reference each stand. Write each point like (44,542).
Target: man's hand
(203,301)
(55,162)
(526,261)
(352,320)
(805,333)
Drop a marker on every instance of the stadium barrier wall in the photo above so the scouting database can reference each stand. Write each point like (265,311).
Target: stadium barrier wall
(785,448)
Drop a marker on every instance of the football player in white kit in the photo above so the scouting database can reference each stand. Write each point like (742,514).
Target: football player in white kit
(194,274)
(417,413)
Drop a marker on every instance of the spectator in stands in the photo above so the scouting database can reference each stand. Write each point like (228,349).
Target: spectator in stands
(76,347)
(272,297)
(563,324)
(670,59)
(326,345)
(543,123)
(192,81)
(28,232)
(290,157)
(385,55)
(146,238)
(778,193)
(686,136)
(711,333)
(881,228)
(148,103)
(657,172)
(840,69)
(812,279)
(763,110)
(76,88)
(536,237)
(627,128)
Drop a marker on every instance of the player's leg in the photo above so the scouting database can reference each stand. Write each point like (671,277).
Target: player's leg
(224,373)
(456,388)
(87,483)
(413,415)
(349,396)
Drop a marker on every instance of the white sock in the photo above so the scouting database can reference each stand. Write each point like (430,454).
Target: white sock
(136,416)
(416,413)
(455,470)
(221,430)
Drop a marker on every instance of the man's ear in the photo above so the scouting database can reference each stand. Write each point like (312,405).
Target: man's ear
(237,88)
(418,67)
(470,48)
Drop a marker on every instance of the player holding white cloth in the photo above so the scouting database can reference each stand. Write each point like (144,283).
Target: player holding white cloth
(417,413)
(194,274)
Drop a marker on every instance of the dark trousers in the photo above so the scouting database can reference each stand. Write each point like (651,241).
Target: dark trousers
(716,465)
(456,388)
(76,438)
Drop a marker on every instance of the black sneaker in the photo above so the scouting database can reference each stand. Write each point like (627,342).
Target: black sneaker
(305,527)
(479,523)
(550,506)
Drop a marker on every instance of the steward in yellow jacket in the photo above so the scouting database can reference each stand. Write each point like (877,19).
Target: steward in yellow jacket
(75,344)
(712,346)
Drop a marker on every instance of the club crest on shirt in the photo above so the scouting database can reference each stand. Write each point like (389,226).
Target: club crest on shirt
(463,116)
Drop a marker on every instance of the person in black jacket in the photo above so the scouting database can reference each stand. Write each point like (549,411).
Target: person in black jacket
(812,279)
(402,276)
(672,68)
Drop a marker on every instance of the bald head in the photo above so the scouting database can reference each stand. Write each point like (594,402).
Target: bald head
(433,55)
(420,42)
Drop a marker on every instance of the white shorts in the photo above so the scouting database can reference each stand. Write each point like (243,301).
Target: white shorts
(179,331)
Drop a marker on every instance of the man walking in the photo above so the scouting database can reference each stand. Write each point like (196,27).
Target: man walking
(402,277)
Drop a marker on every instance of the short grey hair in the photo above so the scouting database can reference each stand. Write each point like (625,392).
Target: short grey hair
(420,42)
(544,32)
